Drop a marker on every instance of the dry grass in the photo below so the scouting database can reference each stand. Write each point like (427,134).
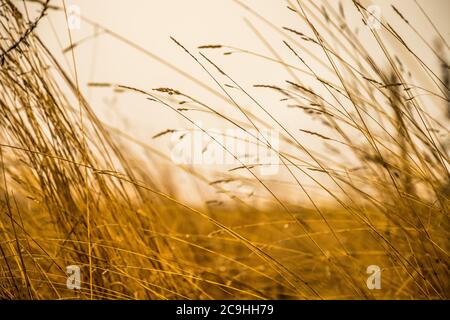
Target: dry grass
(73,192)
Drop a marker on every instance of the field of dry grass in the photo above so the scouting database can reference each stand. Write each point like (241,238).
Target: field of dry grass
(75,191)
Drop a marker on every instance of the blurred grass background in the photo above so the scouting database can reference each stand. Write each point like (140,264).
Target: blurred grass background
(363,164)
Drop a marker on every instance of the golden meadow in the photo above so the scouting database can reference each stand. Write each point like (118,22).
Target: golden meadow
(374,185)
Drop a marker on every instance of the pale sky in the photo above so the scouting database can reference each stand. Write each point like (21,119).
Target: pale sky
(150,23)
